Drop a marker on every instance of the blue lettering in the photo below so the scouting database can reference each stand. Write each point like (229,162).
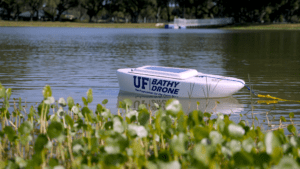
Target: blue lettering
(154,88)
(165,82)
(158,89)
(144,79)
(165,89)
(154,81)
(176,83)
(159,82)
(176,91)
(134,81)
(170,84)
(171,90)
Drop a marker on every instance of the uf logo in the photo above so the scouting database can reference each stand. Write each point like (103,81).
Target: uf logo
(137,81)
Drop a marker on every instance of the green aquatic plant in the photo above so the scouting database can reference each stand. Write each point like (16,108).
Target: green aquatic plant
(67,135)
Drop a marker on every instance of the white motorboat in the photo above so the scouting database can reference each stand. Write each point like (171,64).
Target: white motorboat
(176,82)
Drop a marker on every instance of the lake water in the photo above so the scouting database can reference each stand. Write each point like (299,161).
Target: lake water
(72,60)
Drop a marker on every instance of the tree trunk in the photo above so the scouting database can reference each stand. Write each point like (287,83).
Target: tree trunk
(134,17)
(168,14)
(90,20)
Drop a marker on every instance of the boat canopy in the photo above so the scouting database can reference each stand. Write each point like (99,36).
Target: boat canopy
(170,72)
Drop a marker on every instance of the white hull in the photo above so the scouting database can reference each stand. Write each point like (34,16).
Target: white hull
(198,86)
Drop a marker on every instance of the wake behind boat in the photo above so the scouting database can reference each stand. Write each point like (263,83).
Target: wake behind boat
(176,82)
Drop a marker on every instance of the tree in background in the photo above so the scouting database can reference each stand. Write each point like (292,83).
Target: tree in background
(34,6)
(115,9)
(159,6)
(8,6)
(64,5)
(93,7)
(134,8)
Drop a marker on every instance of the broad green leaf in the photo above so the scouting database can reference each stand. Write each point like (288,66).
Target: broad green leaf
(106,113)
(40,143)
(169,165)
(60,112)
(49,100)
(291,115)
(115,144)
(282,119)
(202,153)
(25,127)
(226,151)
(26,139)
(140,131)
(8,93)
(104,101)
(132,113)
(10,132)
(47,92)
(234,146)
(77,148)
(216,137)
(62,102)
(137,147)
(99,109)
(69,120)
(206,114)
(271,142)
(114,159)
(235,130)
(178,143)
(287,162)
(85,111)
(89,96)
(21,162)
(220,116)
(75,109)
(2,91)
(117,125)
(53,162)
(55,129)
(70,102)
(292,129)
(143,117)
(243,158)
(261,159)
(248,144)
(220,125)
(200,133)
(142,107)
(84,101)
(173,107)
(127,102)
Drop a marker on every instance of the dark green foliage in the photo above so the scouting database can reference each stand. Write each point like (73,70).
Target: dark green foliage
(169,139)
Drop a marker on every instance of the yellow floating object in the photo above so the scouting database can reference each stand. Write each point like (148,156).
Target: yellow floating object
(267,101)
(274,101)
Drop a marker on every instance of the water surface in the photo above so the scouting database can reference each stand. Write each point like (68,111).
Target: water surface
(72,60)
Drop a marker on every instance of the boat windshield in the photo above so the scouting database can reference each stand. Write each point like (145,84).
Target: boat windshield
(166,69)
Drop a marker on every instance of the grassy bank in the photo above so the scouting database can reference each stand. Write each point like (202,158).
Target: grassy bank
(75,24)
(63,134)
(139,25)
(263,27)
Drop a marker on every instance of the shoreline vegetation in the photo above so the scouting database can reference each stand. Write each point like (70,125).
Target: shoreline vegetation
(255,26)
(62,134)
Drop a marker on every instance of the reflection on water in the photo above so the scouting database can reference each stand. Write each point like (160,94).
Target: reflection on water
(226,105)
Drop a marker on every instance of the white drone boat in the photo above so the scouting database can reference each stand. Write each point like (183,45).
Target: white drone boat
(176,82)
